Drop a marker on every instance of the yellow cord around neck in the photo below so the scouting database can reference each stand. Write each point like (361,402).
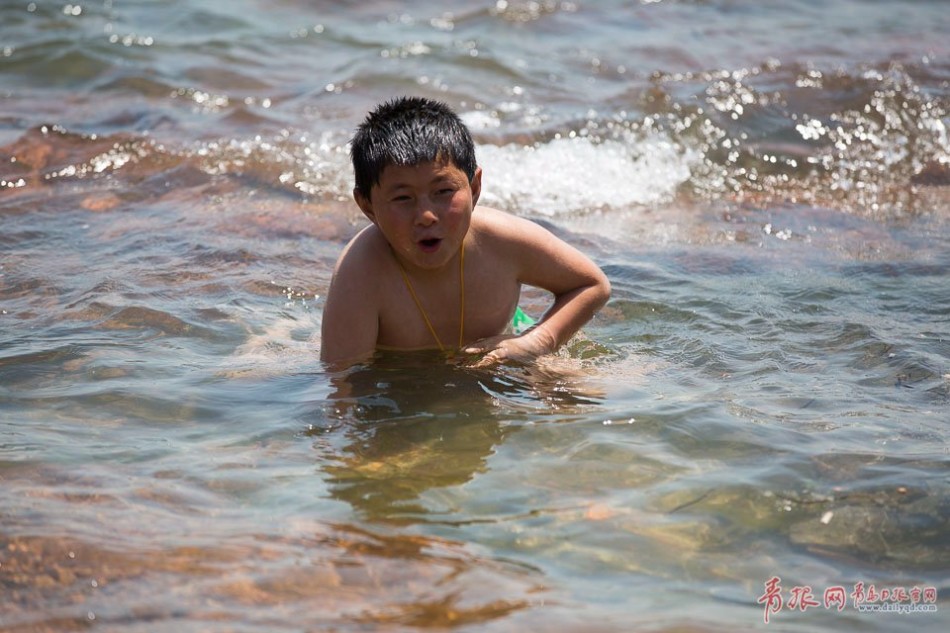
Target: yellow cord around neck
(425,317)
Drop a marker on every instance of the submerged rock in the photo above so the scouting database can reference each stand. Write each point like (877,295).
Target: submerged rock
(933,174)
(882,529)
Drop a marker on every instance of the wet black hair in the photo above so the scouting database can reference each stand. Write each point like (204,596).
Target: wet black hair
(409,131)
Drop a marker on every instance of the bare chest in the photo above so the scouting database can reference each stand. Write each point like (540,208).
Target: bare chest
(420,315)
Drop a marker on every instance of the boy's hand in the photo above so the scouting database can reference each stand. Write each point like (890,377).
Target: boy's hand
(509,347)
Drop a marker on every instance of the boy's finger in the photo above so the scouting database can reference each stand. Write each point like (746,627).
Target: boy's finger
(479,347)
(491,358)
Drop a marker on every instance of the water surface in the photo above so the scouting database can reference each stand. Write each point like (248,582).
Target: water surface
(765,396)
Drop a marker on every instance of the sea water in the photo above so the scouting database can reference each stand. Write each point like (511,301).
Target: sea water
(754,428)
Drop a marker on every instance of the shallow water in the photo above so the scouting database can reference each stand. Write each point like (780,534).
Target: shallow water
(764,396)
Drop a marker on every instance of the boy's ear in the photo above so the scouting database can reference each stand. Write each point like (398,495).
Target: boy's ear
(365,205)
(476,185)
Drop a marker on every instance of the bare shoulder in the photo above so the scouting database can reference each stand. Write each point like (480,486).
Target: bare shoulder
(496,223)
(351,312)
(366,252)
(505,232)
(536,255)
(500,229)
(356,278)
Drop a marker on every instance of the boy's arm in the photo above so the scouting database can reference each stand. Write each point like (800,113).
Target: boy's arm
(351,313)
(579,286)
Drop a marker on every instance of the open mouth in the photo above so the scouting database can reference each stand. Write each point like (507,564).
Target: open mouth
(430,244)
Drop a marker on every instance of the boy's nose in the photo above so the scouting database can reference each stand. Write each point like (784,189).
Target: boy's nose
(425,215)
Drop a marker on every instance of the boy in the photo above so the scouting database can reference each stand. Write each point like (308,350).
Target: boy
(434,270)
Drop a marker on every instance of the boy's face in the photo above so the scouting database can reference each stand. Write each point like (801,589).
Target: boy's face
(423,211)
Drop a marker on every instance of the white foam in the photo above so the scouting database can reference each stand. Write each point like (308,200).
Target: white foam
(570,175)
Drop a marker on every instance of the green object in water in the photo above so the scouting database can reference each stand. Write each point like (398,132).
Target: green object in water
(521,321)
